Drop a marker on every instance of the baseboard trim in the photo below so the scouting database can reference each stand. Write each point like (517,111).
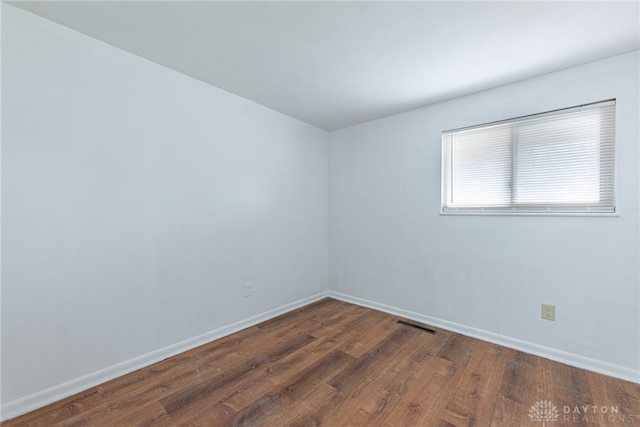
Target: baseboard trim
(58,392)
(571,359)
(42,398)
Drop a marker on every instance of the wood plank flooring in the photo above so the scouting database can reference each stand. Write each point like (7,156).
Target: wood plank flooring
(336,364)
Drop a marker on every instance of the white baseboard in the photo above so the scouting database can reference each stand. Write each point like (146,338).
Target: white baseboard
(42,398)
(572,359)
(39,399)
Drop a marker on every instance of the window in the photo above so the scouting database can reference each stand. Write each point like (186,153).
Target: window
(557,162)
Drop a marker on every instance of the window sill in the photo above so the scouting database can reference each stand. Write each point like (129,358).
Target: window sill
(548,214)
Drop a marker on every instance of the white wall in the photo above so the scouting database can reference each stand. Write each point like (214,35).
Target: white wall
(488,275)
(136,203)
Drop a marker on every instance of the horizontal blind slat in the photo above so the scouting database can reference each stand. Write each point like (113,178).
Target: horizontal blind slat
(561,161)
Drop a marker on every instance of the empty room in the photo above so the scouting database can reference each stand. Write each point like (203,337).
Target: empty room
(283,213)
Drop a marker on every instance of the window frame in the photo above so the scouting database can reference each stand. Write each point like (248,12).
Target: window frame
(514,209)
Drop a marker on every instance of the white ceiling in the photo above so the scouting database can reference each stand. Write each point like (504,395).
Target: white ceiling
(335,64)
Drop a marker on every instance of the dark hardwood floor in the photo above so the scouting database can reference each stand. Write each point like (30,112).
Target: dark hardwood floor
(337,364)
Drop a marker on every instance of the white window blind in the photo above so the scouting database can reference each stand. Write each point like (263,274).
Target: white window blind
(557,162)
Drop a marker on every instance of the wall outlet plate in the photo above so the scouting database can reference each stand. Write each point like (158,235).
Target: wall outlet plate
(549,312)
(248,289)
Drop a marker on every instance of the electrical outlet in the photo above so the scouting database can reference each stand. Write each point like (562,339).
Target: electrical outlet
(549,312)
(248,289)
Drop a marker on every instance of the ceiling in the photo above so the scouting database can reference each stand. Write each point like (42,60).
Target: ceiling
(334,64)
